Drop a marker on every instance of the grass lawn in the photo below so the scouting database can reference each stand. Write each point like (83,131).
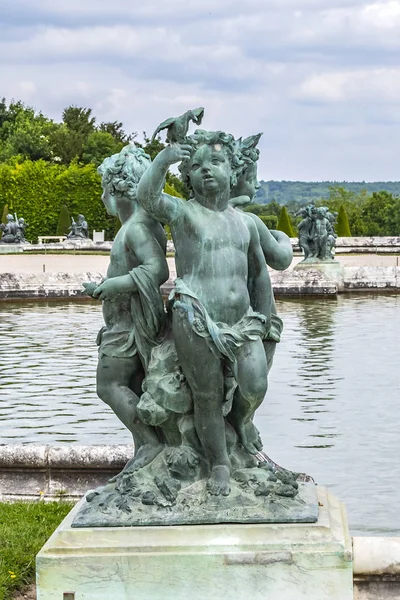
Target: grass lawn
(24,528)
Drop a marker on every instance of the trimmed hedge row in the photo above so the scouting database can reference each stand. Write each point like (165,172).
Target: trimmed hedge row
(37,191)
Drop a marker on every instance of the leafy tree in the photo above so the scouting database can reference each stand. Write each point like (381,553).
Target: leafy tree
(342,226)
(115,129)
(380,214)
(4,218)
(79,119)
(271,221)
(4,215)
(67,145)
(284,223)
(99,145)
(24,132)
(64,221)
(351,201)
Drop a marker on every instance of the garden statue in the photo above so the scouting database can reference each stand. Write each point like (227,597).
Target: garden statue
(317,236)
(133,308)
(187,381)
(22,225)
(13,230)
(78,230)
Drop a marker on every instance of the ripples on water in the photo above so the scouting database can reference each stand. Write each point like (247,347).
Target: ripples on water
(331,410)
(48,359)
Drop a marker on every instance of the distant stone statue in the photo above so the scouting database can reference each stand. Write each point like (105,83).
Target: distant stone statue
(13,230)
(78,230)
(22,225)
(317,236)
(187,381)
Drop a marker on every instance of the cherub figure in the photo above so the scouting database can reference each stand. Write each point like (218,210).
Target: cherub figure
(9,230)
(218,260)
(133,308)
(306,230)
(275,245)
(22,225)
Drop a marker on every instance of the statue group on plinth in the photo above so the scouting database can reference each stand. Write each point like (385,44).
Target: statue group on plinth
(13,232)
(317,237)
(78,230)
(187,377)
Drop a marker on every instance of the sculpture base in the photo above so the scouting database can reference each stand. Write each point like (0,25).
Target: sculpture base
(331,270)
(196,506)
(7,248)
(234,562)
(157,494)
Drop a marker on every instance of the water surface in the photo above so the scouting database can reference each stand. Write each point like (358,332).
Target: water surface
(332,407)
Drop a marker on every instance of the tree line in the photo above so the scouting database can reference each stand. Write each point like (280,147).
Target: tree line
(48,171)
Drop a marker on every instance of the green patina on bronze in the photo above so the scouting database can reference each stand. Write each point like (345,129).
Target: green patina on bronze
(317,237)
(187,382)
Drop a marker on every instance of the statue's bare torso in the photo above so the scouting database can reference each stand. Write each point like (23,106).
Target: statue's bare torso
(212,259)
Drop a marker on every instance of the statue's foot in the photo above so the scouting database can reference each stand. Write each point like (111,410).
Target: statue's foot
(143,457)
(249,437)
(218,483)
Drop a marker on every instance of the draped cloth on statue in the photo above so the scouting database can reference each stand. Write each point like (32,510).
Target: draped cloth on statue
(148,318)
(222,339)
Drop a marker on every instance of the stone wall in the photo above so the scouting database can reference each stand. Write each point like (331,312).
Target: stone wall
(29,471)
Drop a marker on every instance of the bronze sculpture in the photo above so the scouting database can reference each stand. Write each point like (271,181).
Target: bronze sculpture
(204,362)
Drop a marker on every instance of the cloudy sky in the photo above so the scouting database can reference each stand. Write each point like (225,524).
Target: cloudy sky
(320,78)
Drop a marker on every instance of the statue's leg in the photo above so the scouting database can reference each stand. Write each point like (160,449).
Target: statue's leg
(269,349)
(114,380)
(252,378)
(204,374)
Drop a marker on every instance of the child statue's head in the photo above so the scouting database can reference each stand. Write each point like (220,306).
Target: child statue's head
(246,176)
(120,175)
(216,149)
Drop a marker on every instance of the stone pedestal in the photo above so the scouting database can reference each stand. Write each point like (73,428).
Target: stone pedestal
(331,271)
(10,248)
(201,562)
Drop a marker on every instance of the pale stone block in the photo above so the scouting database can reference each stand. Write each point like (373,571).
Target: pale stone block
(309,561)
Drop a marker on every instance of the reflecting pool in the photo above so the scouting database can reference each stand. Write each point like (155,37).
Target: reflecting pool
(332,408)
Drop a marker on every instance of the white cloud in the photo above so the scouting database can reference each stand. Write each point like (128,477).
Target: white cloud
(376,85)
(319,77)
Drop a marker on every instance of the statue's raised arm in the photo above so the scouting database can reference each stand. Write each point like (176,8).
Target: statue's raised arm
(159,205)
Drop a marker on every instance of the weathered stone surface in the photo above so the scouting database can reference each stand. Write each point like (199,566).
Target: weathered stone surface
(376,568)
(46,285)
(10,248)
(23,455)
(371,278)
(232,561)
(309,281)
(29,471)
(69,244)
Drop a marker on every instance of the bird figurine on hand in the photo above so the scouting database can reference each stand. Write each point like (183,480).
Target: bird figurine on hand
(177,127)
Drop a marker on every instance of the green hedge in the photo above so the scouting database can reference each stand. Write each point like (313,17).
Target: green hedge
(37,191)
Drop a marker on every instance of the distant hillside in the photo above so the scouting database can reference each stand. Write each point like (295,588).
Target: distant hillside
(286,192)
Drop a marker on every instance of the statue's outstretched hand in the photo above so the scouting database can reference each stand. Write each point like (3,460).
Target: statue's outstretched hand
(111,288)
(89,286)
(174,153)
